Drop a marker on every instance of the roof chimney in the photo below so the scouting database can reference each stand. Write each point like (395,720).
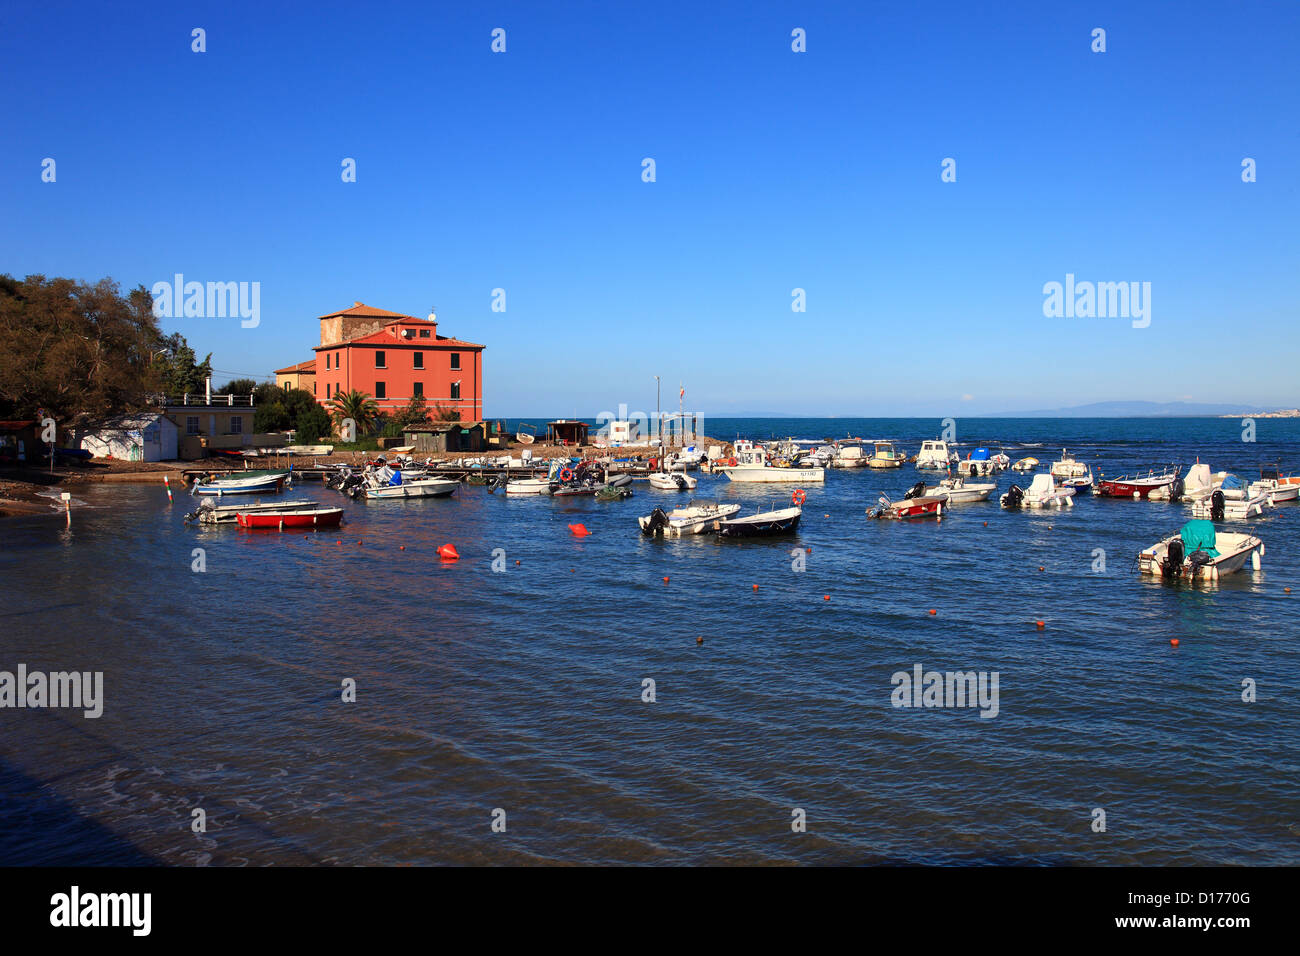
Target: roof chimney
(357,305)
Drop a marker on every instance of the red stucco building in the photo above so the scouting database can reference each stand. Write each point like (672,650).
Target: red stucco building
(393,357)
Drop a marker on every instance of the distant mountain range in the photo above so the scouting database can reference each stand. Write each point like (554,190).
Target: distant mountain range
(1143,410)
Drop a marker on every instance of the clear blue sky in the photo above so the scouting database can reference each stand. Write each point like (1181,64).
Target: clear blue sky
(775,170)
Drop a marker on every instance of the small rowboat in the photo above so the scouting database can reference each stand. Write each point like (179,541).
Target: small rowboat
(279,520)
(262,484)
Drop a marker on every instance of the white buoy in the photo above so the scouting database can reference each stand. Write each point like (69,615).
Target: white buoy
(1254,560)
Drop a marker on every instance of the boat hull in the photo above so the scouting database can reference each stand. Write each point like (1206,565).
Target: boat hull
(1130,489)
(282,520)
(432,488)
(797,476)
(761,525)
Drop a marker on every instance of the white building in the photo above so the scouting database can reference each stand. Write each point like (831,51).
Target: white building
(147,436)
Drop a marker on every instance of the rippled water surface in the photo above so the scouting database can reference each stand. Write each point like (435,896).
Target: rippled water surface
(522,689)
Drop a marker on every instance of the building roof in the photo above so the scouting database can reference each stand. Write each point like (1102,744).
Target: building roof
(384,337)
(307,366)
(369,312)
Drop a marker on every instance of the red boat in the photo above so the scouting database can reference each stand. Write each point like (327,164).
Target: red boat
(1135,486)
(279,520)
(920,506)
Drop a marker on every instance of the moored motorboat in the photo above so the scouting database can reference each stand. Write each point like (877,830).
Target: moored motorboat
(915,504)
(977,463)
(1136,486)
(960,490)
(695,517)
(1219,507)
(673,481)
(1199,551)
(419,488)
(885,455)
(280,520)
(1025,465)
(259,485)
(1043,492)
(1069,472)
(934,456)
(752,466)
(762,524)
(210,513)
(849,455)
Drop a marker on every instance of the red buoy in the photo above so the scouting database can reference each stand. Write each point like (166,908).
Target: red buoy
(448,552)
(1173,641)
(579,530)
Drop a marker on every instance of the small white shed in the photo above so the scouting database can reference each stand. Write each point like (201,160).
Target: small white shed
(147,436)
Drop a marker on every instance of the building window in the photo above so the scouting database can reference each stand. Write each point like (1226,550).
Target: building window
(313,386)
(419,360)
(236,424)
(381,390)
(455,361)
(379,360)
(191,424)
(418,390)
(455,389)
(424,333)
(327,389)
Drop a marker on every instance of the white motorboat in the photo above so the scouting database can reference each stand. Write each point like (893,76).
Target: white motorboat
(527,486)
(1069,472)
(1219,507)
(978,464)
(849,455)
(258,484)
(697,517)
(956,491)
(1043,492)
(1197,485)
(762,524)
(752,465)
(934,456)
(1199,551)
(1275,490)
(674,481)
(419,488)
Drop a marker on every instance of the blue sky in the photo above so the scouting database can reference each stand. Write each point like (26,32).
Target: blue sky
(775,170)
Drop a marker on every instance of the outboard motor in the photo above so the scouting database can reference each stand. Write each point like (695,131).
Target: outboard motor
(1176,490)
(1173,565)
(656,523)
(681,482)
(1198,560)
(916,491)
(1014,498)
(1216,506)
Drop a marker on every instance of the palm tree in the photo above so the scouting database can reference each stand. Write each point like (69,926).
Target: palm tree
(356,405)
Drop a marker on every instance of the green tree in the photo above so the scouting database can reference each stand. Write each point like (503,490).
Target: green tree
(237,386)
(445,413)
(311,425)
(356,405)
(279,409)
(75,350)
(176,369)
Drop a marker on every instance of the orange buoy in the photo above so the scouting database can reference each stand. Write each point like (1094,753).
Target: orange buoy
(933,611)
(1286,590)
(986,524)
(1040,625)
(448,552)
(1040,567)
(826,597)
(516,561)
(755,587)
(808,550)
(699,640)
(401,547)
(338,542)
(665,579)
(1173,641)
(579,530)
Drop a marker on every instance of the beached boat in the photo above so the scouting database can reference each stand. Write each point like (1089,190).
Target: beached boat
(752,466)
(1025,465)
(762,524)
(1043,492)
(1069,472)
(934,456)
(677,481)
(885,455)
(280,520)
(697,517)
(526,435)
(955,491)
(317,450)
(1136,486)
(1199,551)
(257,485)
(208,512)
